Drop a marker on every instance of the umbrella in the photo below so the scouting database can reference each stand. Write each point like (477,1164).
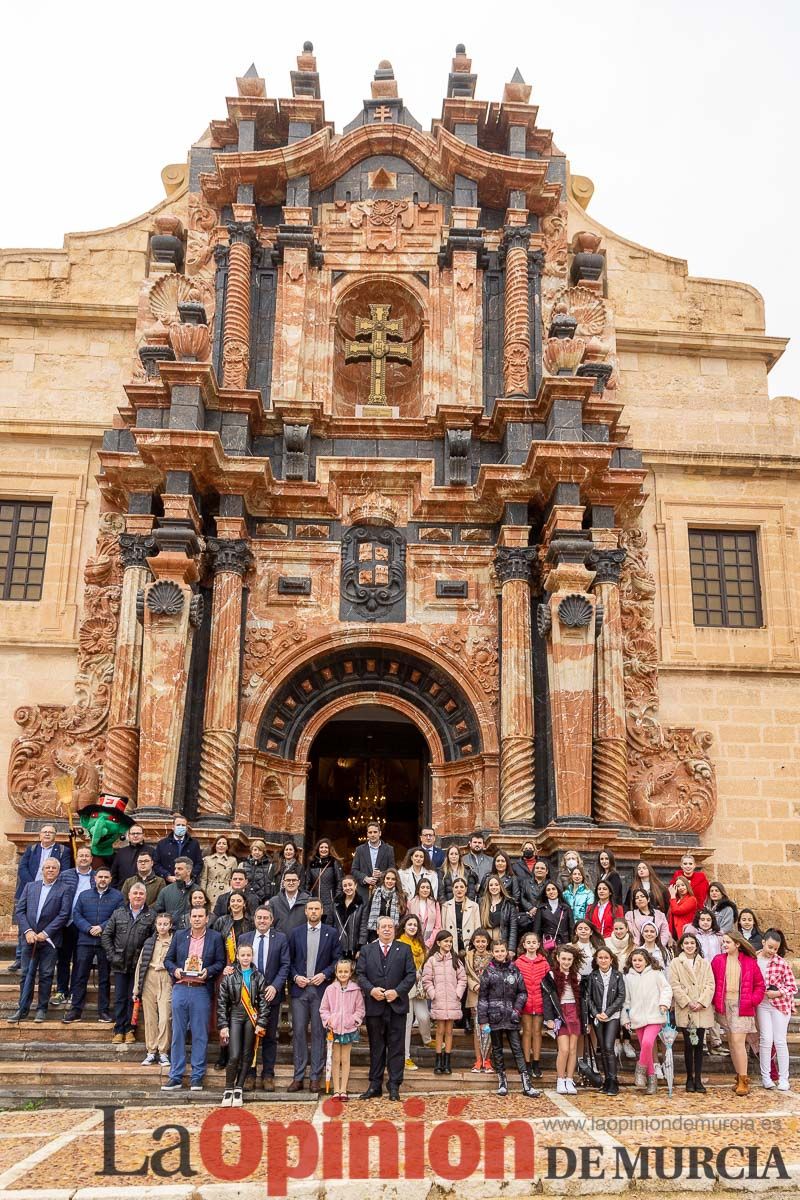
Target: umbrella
(486,1043)
(329,1061)
(668,1034)
(137,1004)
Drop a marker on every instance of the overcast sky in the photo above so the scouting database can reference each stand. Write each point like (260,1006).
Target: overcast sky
(684,113)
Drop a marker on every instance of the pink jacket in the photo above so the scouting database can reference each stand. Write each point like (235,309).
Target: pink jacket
(342,1009)
(636,920)
(444,986)
(433,918)
(751,990)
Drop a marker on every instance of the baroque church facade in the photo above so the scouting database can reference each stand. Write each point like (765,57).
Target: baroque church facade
(367,474)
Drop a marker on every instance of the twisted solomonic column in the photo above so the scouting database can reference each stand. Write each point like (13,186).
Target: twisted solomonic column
(236,327)
(610,800)
(512,565)
(230,559)
(516,331)
(121,760)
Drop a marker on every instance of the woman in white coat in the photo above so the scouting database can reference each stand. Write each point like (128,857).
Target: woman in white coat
(648,997)
(460,917)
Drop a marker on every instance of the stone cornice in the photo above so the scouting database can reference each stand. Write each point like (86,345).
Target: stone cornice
(58,312)
(705,345)
(27,427)
(731,462)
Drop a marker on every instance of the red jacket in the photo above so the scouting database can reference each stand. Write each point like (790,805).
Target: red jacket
(698,882)
(681,913)
(533,971)
(605,924)
(751,990)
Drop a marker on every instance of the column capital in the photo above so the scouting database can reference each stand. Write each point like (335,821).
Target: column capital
(606,564)
(231,555)
(242,231)
(515,237)
(135,549)
(514,562)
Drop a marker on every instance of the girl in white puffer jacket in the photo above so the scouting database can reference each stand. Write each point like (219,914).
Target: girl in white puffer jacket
(648,997)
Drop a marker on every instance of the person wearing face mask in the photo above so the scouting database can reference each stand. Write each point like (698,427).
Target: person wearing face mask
(569,861)
(531,889)
(178,844)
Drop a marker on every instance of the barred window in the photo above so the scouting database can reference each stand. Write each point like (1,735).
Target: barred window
(24,529)
(725,585)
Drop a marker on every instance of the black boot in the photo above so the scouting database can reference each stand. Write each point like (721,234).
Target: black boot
(502,1086)
(519,1059)
(467,1020)
(613,1086)
(438,1068)
(536,1068)
(690,1084)
(698,1063)
(446,1068)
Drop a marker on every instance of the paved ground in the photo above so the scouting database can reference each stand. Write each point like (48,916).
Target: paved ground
(58,1154)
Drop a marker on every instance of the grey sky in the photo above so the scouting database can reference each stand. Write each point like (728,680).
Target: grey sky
(684,114)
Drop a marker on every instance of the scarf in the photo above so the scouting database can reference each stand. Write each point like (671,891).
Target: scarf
(393,910)
(620,948)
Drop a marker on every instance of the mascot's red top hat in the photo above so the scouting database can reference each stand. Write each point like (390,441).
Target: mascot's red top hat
(109,805)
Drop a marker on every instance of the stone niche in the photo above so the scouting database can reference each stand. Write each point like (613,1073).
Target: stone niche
(351,380)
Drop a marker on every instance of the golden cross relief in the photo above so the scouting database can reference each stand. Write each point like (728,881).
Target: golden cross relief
(380,340)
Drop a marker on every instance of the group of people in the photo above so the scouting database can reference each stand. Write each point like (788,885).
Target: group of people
(453,936)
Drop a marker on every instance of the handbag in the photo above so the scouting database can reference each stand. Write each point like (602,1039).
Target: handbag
(588,1074)
(549,943)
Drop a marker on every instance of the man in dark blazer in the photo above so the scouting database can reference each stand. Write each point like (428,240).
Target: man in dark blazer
(386,974)
(30,868)
(42,911)
(238,883)
(178,844)
(192,996)
(289,906)
(314,950)
(271,958)
(370,860)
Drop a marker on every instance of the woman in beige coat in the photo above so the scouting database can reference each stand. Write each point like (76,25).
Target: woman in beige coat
(215,877)
(460,917)
(692,982)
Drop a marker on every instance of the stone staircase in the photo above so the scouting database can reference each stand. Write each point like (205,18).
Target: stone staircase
(76,1065)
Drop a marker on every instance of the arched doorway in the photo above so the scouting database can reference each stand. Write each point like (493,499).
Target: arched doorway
(361,757)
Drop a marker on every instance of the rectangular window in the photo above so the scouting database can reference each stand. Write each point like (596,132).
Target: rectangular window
(725,585)
(24,528)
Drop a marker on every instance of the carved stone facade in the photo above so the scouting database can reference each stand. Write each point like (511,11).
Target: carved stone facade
(371,467)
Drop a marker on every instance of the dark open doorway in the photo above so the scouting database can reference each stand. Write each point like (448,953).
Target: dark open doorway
(370,752)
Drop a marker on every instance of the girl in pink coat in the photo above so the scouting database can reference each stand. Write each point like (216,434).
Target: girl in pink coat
(341,1012)
(445,982)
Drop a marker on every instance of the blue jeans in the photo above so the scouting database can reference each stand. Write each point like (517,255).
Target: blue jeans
(305,1008)
(123,1001)
(85,956)
(39,957)
(191,1010)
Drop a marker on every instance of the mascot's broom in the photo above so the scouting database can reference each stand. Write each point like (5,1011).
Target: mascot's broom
(64,790)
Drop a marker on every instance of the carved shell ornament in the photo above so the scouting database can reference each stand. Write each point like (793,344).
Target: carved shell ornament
(575,611)
(587,309)
(165,295)
(164,599)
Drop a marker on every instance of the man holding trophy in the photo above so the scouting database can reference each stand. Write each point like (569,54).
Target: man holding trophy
(194,960)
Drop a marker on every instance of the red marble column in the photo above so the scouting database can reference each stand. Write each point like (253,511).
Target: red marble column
(121,761)
(230,559)
(171,612)
(568,621)
(236,327)
(516,332)
(513,568)
(610,800)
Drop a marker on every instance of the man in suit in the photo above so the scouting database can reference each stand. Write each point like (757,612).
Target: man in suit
(289,906)
(90,915)
(192,995)
(238,883)
(314,950)
(42,911)
(178,844)
(271,958)
(386,974)
(30,869)
(125,861)
(78,879)
(427,839)
(370,860)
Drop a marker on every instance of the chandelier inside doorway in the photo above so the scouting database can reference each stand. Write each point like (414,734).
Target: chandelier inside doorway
(370,803)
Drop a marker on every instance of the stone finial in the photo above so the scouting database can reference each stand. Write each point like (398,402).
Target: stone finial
(461,82)
(305,80)
(517,91)
(306,61)
(461,64)
(384,84)
(251,83)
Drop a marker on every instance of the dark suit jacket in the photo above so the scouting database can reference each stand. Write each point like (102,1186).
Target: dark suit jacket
(167,850)
(395,971)
(213,954)
(29,864)
(55,913)
(362,865)
(276,968)
(328,954)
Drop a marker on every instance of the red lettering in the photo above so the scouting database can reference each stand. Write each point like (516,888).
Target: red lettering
(495,1134)
(279,1169)
(439,1150)
(388,1149)
(250,1144)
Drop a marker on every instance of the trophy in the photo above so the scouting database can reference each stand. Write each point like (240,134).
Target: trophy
(193,967)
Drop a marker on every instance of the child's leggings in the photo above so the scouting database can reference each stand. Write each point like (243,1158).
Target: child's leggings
(647,1035)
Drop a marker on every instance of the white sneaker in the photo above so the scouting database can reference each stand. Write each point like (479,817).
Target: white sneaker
(561,1087)
(659,1071)
(148,1059)
(163,1060)
(227,1100)
(237,1098)
(767,1084)
(569,1087)
(784,1086)
(628,1050)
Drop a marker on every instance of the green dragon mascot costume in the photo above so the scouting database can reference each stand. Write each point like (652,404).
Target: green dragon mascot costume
(106,821)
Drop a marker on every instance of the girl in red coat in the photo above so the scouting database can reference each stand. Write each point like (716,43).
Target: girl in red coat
(682,906)
(602,914)
(739,989)
(533,966)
